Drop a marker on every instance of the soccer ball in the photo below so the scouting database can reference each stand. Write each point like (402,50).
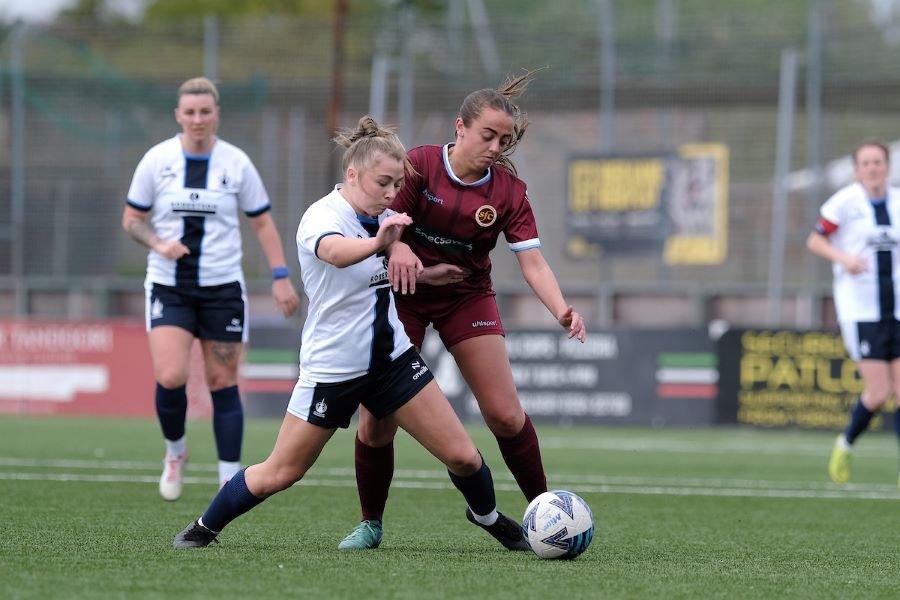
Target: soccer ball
(558,524)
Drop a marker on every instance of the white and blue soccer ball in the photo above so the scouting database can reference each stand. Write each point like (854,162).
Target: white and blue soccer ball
(558,524)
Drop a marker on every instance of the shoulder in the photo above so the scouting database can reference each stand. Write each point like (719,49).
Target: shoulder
(506,178)
(849,193)
(164,150)
(229,151)
(425,155)
(328,208)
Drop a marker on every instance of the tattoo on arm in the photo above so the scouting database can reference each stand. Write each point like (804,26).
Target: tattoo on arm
(142,232)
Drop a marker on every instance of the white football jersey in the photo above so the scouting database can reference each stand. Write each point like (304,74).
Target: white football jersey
(351,325)
(196,199)
(871,230)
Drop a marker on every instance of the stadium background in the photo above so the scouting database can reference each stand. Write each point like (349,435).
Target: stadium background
(81,99)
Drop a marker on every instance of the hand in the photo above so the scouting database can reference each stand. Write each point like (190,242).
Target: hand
(573,321)
(171,249)
(404,268)
(443,274)
(391,229)
(286,299)
(855,265)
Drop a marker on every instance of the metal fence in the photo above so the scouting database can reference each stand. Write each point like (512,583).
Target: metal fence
(81,102)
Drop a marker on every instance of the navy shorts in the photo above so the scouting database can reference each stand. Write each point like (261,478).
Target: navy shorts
(872,340)
(331,405)
(216,312)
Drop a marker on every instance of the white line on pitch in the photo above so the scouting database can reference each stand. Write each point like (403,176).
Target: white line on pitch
(582,488)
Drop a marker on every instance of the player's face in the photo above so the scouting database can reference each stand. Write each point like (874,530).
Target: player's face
(198,116)
(871,168)
(373,189)
(485,139)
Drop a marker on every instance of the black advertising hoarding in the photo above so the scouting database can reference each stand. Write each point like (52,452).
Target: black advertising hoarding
(778,378)
(638,377)
(674,205)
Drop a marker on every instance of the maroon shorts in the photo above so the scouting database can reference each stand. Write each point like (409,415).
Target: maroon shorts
(455,317)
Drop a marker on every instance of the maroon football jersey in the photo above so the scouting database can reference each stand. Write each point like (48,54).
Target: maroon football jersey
(459,223)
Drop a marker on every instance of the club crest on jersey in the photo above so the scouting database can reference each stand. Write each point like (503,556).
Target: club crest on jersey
(224,180)
(486,215)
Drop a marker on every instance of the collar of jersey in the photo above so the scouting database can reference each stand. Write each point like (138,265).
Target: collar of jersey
(196,156)
(482,181)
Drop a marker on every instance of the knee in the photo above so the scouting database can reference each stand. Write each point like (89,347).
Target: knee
(874,398)
(464,461)
(218,379)
(506,422)
(373,432)
(171,378)
(276,479)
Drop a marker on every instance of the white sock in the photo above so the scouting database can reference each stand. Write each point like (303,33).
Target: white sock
(842,442)
(488,519)
(227,470)
(176,447)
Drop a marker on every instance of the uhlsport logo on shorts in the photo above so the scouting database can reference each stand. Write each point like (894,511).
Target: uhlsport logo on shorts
(235,326)
(419,369)
(321,409)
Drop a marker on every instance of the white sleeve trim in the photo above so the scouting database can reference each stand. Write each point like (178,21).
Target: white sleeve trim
(525,245)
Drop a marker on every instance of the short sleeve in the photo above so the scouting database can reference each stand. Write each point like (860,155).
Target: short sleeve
(521,228)
(252,195)
(143,191)
(316,224)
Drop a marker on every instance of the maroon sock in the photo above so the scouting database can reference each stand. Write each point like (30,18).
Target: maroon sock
(374,471)
(522,454)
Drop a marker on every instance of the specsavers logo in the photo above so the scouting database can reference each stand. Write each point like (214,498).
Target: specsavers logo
(445,243)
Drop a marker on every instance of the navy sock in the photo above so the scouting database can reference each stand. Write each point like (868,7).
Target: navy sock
(228,423)
(233,500)
(171,408)
(478,489)
(897,422)
(859,421)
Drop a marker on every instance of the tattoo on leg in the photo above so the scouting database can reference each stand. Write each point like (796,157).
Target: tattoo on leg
(226,352)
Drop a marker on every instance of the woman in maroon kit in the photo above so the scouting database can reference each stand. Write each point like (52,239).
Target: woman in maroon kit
(462,196)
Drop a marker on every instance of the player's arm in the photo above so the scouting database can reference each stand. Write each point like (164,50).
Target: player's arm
(283,292)
(404,268)
(134,222)
(543,283)
(819,244)
(343,252)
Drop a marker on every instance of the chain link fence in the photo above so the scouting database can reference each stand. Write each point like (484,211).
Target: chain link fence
(81,102)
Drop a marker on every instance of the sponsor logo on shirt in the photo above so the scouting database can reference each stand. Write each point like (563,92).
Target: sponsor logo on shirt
(448,244)
(432,198)
(881,241)
(378,279)
(486,215)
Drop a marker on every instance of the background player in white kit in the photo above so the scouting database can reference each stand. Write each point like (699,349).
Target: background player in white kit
(858,231)
(355,350)
(183,204)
